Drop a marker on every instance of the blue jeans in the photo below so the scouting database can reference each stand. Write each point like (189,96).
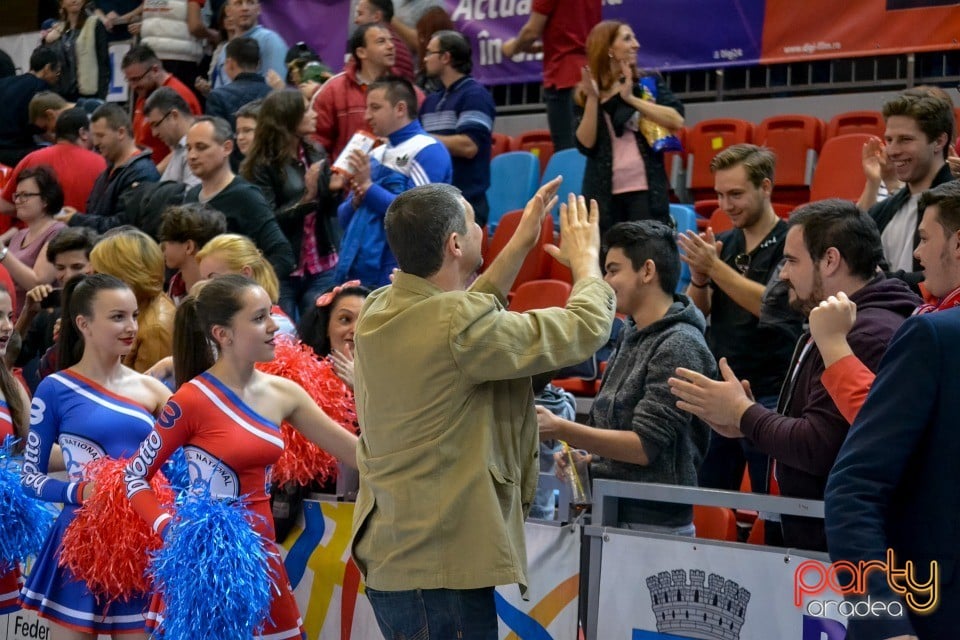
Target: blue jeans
(560,117)
(299,293)
(435,614)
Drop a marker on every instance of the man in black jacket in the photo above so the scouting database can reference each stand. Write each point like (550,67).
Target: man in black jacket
(128,167)
(247,85)
(209,145)
(919,130)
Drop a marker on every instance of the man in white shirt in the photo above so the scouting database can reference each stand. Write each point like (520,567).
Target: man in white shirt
(919,130)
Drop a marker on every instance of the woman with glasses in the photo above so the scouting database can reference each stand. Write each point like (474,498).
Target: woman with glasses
(38,197)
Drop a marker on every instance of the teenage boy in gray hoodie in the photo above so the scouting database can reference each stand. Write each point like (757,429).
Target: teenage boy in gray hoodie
(635,431)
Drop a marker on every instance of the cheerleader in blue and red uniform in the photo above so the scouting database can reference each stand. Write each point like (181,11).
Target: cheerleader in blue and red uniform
(226,415)
(14,421)
(94,407)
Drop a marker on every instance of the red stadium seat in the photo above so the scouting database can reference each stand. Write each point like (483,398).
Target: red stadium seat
(715,523)
(839,173)
(796,141)
(534,266)
(869,122)
(540,294)
(538,142)
(704,141)
(501,144)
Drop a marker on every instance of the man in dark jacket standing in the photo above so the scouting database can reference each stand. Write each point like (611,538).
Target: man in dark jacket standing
(16,130)
(246,83)
(830,247)
(128,167)
(637,432)
(919,131)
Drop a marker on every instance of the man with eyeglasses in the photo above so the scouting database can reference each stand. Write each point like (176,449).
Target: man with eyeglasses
(728,285)
(460,116)
(830,247)
(145,74)
(169,118)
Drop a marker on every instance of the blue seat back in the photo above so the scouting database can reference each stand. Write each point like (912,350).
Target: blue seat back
(686,219)
(570,164)
(514,178)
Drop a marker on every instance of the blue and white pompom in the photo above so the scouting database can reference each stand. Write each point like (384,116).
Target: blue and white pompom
(177,472)
(25,522)
(213,571)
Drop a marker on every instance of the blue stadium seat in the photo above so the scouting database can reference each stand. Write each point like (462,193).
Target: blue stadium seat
(686,219)
(570,164)
(514,178)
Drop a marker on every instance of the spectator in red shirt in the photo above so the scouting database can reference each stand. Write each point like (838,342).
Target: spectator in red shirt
(75,165)
(560,31)
(145,74)
(341,103)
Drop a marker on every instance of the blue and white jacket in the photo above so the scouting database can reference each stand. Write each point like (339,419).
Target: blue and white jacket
(411,158)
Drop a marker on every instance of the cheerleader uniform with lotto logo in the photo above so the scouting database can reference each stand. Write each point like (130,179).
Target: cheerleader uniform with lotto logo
(233,447)
(10,581)
(89,422)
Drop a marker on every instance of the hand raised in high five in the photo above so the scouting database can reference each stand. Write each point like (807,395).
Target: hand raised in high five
(579,237)
(538,208)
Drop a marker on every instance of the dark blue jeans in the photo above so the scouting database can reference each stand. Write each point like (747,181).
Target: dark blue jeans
(299,293)
(435,614)
(723,465)
(560,117)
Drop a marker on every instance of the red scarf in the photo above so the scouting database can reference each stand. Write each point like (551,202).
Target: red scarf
(949,301)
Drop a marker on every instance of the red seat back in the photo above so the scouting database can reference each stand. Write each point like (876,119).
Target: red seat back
(868,122)
(540,294)
(534,265)
(796,141)
(838,173)
(500,143)
(704,141)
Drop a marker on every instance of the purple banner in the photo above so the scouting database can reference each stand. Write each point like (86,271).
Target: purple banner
(693,34)
(322,24)
(673,34)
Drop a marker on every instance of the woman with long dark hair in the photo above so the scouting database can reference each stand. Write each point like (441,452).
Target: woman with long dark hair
(94,407)
(624,172)
(294,175)
(232,411)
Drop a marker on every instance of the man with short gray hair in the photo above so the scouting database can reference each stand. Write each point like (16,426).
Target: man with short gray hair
(448,445)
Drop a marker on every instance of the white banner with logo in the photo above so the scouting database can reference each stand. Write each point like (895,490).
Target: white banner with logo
(327,583)
(652,588)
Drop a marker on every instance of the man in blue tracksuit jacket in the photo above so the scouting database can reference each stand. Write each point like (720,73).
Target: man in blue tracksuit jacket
(409,159)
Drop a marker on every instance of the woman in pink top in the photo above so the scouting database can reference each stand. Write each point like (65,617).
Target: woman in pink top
(624,174)
(38,198)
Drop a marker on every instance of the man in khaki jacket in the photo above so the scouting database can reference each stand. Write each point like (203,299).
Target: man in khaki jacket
(448,451)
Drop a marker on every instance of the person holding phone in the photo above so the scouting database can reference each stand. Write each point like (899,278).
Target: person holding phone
(69,253)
